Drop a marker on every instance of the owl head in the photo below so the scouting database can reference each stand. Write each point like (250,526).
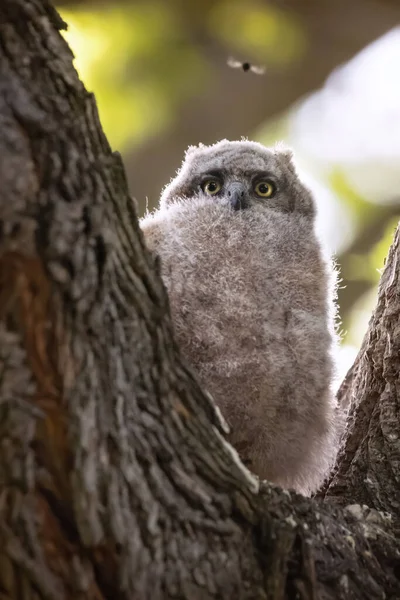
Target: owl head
(240,176)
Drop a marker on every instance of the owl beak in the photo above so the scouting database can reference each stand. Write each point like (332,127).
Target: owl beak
(236,191)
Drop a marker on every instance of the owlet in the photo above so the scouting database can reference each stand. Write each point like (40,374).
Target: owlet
(252,302)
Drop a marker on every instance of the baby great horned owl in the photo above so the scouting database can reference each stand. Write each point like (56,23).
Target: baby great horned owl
(252,303)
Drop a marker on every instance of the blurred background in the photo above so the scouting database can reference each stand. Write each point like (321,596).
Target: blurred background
(331,90)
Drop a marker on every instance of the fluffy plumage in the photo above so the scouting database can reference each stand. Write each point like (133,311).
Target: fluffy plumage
(252,303)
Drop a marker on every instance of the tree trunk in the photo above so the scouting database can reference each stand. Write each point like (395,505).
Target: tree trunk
(115,477)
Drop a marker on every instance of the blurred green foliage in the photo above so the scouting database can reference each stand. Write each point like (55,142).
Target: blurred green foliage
(368,266)
(364,261)
(365,266)
(261,30)
(142,63)
(135,58)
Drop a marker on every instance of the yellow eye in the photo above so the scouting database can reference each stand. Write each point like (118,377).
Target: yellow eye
(211,187)
(265,189)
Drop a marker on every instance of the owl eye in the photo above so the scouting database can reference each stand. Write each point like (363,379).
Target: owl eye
(265,189)
(211,187)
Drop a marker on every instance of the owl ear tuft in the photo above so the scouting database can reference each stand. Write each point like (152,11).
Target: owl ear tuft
(284,151)
(286,155)
(193,149)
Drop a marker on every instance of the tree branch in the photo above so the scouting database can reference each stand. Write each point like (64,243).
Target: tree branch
(368,470)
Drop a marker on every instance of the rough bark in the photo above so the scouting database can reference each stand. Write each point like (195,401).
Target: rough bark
(115,478)
(369,466)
